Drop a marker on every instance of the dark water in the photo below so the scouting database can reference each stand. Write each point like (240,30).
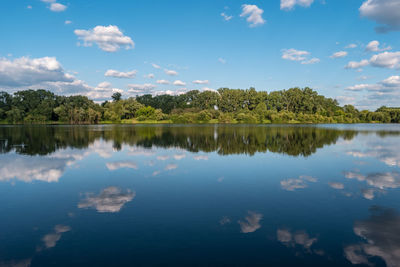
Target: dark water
(200,195)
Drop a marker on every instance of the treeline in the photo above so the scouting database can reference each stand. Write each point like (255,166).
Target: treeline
(294,105)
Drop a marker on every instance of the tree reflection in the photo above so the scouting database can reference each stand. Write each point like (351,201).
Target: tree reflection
(225,140)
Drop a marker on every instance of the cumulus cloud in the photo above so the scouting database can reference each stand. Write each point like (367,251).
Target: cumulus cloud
(311,61)
(298,55)
(120,74)
(200,82)
(351,46)
(108,38)
(57,7)
(50,240)
(357,65)
(390,60)
(121,164)
(339,54)
(171,72)
(301,238)
(253,14)
(226,17)
(146,88)
(111,199)
(388,85)
(289,4)
(162,82)
(179,83)
(381,234)
(155,66)
(251,223)
(25,71)
(384,12)
(373,46)
(67,22)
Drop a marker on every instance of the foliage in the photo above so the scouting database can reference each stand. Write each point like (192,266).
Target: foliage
(294,105)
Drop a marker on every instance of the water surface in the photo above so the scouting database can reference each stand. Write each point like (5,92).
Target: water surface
(324,195)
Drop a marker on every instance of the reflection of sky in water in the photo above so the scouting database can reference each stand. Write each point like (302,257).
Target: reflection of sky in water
(135,203)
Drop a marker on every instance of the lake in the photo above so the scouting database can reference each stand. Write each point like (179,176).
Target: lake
(276,195)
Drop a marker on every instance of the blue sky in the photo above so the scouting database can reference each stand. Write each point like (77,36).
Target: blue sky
(69,46)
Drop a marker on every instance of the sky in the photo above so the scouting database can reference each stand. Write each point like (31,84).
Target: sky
(345,49)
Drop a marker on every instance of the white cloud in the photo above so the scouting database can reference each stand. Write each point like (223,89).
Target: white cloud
(289,4)
(389,60)
(222,60)
(108,38)
(351,46)
(29,7)
(339,54)
(155,66)
(162,82)
(384,12)
(179,83)
(171,72)
(373,46)
(357,65)
(298,55)
(200,82)
(120,74)
(112,166)
(57,7)
(25,71)
(251,223)
(67,22)
(226,17)
(253,14)
(111,199)
(311,61)
(141,88)
(294,55)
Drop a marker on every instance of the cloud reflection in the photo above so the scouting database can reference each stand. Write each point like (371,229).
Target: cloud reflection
(50,240)
(251,223)
(292,239)
(111,199)
(121,164)
(381,233)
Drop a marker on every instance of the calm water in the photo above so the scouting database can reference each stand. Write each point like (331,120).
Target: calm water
(200,195)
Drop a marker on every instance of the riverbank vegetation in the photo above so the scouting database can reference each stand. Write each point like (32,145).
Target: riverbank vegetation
(294,105)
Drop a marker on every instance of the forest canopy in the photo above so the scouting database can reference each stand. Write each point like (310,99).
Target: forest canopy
(226,105)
